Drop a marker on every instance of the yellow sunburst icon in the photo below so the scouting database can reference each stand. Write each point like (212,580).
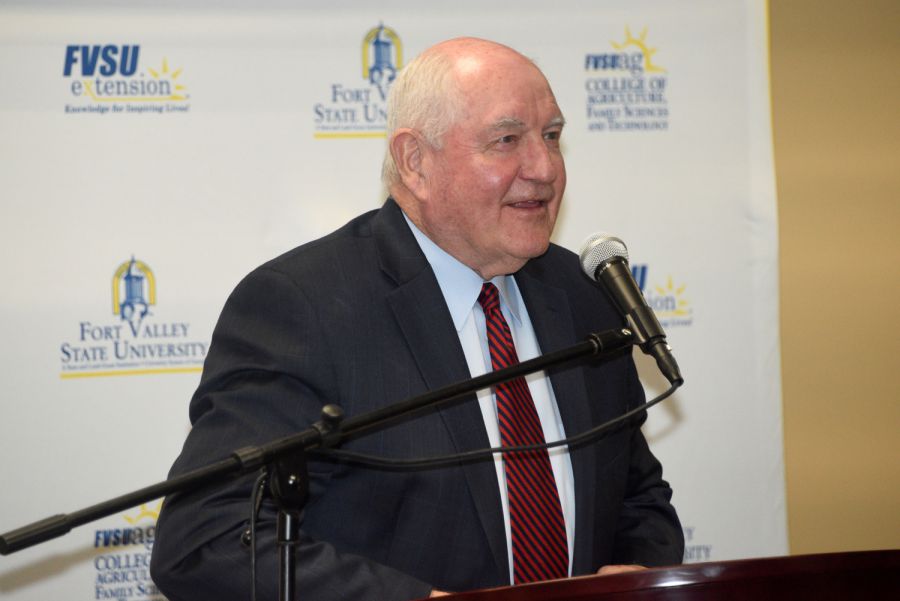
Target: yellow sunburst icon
(163,73)
(641,43)
(145,512)
(674,303)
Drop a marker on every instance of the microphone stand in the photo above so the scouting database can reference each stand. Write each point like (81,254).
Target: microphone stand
(285,457)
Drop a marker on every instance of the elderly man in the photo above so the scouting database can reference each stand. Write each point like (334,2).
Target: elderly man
(452,277)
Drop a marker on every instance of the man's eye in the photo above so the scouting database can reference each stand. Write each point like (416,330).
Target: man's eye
(552,135)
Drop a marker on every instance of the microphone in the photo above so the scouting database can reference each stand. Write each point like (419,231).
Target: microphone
(604,259)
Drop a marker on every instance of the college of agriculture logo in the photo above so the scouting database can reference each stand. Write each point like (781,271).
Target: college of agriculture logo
(135,341)
(625,88)
(357,108)
(109,79)
(122,563)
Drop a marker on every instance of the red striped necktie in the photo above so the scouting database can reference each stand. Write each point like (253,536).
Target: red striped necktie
(540,550)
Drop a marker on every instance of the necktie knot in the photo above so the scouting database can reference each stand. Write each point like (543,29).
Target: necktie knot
(489,299)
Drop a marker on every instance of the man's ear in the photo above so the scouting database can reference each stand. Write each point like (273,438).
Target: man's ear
(408,149)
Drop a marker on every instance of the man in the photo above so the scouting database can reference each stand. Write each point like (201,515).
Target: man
(417,295)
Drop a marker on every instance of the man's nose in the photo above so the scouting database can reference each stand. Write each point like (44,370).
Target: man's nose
(538,162)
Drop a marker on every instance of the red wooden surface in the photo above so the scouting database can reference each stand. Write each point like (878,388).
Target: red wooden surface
(868,575)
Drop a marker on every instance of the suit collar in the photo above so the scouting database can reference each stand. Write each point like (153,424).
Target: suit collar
(398,254)
(459,284)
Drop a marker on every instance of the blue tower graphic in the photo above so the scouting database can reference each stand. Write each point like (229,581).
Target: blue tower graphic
(383,70)
(135,305)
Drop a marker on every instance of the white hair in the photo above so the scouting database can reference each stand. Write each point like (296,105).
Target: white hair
(424,97)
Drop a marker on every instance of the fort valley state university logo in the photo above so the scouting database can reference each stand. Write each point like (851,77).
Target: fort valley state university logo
(357,107)
(135,341)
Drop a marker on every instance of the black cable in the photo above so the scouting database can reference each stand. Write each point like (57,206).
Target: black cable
(255,504)
(587,435)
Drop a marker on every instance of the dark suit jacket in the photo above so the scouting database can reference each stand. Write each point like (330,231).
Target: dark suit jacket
(357,318)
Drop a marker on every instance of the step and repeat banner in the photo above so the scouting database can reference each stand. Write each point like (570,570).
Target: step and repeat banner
(152,156)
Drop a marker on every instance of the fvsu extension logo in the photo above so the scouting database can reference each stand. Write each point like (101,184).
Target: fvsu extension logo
(625,88)
(122,564)
(135,341)
(110,79)
(668,300)
(357,107)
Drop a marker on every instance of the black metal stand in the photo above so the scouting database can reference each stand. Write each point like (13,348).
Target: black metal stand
(287,537)
(289,485)
(286,457)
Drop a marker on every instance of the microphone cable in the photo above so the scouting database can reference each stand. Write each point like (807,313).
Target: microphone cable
(443,460)
(248,537)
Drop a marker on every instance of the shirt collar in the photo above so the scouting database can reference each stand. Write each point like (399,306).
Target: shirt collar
(460,285)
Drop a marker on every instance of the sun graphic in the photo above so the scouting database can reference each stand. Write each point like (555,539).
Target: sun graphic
(671,291)
(145,512)
(640,42)
(177,94)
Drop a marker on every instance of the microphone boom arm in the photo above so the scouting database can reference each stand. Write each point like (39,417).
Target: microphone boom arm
(328,432)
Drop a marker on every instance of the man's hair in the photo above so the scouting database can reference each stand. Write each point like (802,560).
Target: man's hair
(424,97)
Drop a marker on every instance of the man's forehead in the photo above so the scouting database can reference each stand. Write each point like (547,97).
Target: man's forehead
(477,71)
(501,89)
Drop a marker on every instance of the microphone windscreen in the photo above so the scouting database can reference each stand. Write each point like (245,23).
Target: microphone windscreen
(599,248)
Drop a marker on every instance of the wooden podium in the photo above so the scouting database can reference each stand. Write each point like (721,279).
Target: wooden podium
(867,575)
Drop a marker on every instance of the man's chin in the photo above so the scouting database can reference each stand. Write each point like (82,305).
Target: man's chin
(526,252)
(536,247)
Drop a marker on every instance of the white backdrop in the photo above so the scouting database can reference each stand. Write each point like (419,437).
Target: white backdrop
(200,142)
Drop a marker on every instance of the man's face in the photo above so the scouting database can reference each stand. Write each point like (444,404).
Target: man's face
(493,189)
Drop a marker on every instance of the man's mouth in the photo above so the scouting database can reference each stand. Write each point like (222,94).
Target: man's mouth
(528,204)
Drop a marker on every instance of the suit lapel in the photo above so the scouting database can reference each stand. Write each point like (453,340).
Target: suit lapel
(423,317)
(551,317)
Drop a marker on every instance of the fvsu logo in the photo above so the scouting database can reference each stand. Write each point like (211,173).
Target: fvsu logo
(108,79)
(102,60)
(633,55)
(358,108)
(135,341)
